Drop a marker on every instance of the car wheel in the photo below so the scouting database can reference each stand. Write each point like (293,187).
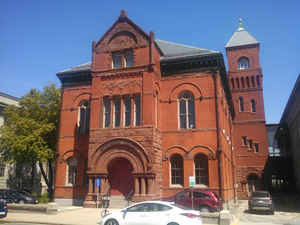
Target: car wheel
(173,223)
(204,209)
(21,202)
(111,222)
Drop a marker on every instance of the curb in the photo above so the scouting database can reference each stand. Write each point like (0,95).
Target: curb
(30,222)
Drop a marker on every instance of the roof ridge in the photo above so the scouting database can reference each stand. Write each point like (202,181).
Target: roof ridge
(187,46)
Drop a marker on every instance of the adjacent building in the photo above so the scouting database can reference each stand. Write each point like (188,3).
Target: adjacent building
(288,134)
(5,100)
(146,117)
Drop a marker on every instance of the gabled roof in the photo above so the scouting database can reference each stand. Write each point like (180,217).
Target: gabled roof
(170,51)
(173,50)
(241,37)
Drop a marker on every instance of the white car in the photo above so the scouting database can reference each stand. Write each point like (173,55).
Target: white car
(153,213)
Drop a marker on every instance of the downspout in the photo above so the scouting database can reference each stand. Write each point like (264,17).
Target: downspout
(219,150)
(232,161)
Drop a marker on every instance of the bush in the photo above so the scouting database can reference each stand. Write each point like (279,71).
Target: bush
(44,198)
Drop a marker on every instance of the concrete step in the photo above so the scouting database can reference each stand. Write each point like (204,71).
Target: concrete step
(117,201)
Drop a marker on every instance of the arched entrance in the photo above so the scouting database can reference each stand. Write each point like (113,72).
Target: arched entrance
(120,177)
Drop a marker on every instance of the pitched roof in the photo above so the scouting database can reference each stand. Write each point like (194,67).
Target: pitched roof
(170,51)
(79,68)
(241,37)
(173,50)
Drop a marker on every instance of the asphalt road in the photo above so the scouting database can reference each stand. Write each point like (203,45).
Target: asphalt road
(260,218)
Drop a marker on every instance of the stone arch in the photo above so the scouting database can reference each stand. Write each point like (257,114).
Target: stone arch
(121,148)
(125,39)
(85,96)
(176,149)
(202,149)
(191,87)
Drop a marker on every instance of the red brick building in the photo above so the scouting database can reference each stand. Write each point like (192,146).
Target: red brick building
(147,114)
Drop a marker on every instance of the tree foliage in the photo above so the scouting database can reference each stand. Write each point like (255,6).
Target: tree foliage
(30,131)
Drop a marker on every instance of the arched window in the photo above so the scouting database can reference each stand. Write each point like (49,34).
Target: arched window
(71,170)
(253,105)
(241,104)
(243,63)
(186,110)
(252,81)
(201,169)
(83,120)
(176,169)
(237,82)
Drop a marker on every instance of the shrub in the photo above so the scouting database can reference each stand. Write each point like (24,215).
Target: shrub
(44,198)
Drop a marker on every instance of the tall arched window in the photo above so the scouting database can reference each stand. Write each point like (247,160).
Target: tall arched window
(201,169)
(186,110)
(253,105)
(71,170)
(241,104)
(243,63)
(83,121)
(176,169)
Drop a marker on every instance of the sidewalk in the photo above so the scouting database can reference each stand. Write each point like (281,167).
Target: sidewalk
(65,216)
(73,216)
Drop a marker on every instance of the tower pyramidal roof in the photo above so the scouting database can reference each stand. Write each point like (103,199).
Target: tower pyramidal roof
(241,37)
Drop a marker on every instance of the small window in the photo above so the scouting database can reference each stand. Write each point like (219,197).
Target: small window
(256,147)
(258,81)
(117,60)
(186,111)
(127,111)
(83,121)
(243,63)
(72,170)
(137,110)
(129,59)
(201,169)
(253,105)
(122,59)
(244,140)
(241,104)
(250,142)
(176,169)
(107,111)
(252,81)
(117,112)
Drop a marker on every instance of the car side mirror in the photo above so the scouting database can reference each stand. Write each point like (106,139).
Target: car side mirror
(124,211)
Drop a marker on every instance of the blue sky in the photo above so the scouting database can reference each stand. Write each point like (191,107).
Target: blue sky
(40,38)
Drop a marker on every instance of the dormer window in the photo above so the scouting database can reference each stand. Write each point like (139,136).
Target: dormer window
(243,63)
(122,59)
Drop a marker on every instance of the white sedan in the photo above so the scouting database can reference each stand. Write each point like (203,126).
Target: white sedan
(153,213)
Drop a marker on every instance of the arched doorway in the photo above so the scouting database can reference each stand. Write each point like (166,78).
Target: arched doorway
(120,177)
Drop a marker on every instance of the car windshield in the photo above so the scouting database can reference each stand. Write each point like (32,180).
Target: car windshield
(180,206)
(260,194)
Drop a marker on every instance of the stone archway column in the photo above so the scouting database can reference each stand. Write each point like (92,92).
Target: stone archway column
(105,186)
(91,185)
(143,185)
(136,186)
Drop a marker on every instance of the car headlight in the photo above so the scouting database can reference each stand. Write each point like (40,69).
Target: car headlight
(28,199)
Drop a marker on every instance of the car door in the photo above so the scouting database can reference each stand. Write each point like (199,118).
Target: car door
(182,198)
(138,214)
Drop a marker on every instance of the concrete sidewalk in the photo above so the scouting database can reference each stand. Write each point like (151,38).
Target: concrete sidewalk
(75,216)
(65,216)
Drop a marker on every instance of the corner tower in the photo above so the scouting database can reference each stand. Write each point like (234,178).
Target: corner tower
(250,137)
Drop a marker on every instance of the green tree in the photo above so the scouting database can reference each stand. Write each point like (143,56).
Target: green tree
(30,131)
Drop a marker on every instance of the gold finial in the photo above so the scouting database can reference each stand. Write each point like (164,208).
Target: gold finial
(241,25)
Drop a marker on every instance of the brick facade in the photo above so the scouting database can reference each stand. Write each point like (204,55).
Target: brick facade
(149,145)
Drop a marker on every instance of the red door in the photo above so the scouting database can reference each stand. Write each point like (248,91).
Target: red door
(120,176)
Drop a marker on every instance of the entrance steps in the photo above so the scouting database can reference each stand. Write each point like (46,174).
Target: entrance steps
(117,202)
